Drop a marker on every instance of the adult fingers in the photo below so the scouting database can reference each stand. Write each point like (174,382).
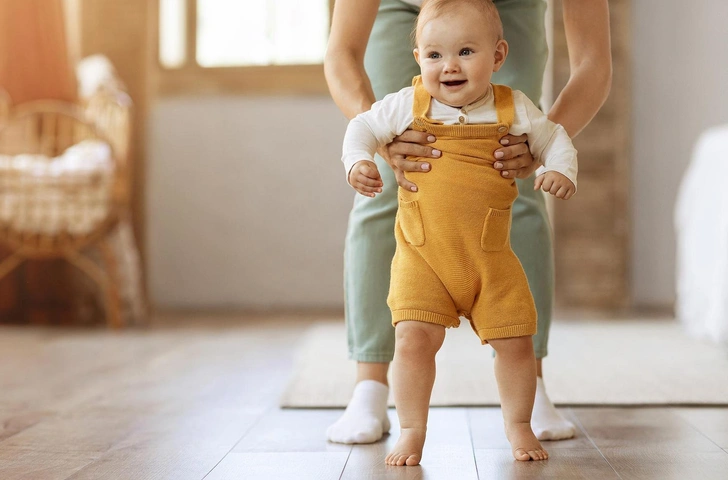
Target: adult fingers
(413,150)
(410,165)
(403,182)
(413,136)
(513,139)
(505,154)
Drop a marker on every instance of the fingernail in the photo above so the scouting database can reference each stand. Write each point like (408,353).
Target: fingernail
(436,152)
(498,165)
(425,166)
(414,189)
(505,174)
(498,154)
(504,141)
(431,138)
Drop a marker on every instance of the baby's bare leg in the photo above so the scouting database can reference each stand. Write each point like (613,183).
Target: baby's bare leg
(515,371)
(413,374)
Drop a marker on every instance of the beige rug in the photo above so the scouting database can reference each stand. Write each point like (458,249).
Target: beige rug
(607,362)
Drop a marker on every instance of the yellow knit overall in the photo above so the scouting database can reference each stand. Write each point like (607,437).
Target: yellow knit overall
(453,255)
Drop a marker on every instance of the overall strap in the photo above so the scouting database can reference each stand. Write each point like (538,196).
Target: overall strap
(421,103)
(503,96)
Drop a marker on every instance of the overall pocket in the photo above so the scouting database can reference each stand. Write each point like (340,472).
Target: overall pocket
(495,230)
(410,221)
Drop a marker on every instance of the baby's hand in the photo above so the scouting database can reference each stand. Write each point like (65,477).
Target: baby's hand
(364,177)
(556,184)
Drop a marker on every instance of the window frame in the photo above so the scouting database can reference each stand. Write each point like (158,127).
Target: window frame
(192,79)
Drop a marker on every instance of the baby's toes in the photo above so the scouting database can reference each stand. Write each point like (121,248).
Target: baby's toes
(539,455)
(522,455)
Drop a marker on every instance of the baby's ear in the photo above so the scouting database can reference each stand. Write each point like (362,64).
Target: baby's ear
(416,53)
(501,52)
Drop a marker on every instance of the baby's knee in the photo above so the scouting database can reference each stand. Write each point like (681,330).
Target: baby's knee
(518,347)
(418,338)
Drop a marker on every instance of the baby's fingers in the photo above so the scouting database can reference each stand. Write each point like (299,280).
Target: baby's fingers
(538,182)
(367,191)
(375,181)
(371,172)
(555,188)
(547,184)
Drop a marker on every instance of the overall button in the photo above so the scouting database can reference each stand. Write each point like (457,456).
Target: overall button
(461,119)
(502,129)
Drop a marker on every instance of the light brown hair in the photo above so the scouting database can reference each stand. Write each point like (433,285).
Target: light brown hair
(436,8)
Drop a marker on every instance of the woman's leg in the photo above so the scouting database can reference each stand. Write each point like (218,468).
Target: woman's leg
(524,29)
(413,372)
(370,244)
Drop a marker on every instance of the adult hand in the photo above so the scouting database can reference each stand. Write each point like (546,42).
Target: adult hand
(414,144)
(514,159)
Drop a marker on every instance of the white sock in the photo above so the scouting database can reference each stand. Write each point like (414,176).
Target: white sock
(365,419)
(546,421)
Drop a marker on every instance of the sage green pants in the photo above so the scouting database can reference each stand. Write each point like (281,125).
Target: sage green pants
(370,237)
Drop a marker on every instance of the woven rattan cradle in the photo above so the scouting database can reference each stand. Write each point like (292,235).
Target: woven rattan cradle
(48,128)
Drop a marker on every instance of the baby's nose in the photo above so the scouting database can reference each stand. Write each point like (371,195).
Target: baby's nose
(452,66)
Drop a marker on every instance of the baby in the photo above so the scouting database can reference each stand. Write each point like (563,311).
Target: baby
(453,257)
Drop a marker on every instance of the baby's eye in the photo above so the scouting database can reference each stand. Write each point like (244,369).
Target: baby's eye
(433,55)
(466,51)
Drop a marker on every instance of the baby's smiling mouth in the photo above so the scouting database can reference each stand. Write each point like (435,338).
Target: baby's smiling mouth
(454,83)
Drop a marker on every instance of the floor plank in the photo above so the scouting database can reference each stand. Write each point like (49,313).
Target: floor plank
(292,431)
(711,422)
(654,429)
(448,451)
(18,463)
(632,463)
(160,462)
(280,466)
(563,464)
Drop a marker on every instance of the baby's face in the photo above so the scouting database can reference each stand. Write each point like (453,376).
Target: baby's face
(458,54)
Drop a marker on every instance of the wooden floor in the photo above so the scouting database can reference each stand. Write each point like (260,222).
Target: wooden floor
(196,397)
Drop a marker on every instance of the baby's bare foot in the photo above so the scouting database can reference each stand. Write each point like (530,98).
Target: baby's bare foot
(524,443)
(408,449)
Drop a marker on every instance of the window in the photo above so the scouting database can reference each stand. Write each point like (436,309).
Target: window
(248,46)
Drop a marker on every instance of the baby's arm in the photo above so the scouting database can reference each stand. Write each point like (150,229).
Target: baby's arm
(370,130)
(552,146)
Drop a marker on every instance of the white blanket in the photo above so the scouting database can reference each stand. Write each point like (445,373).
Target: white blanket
(70,193)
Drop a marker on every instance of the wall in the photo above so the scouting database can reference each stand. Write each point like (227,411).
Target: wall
(246,213)
(680,74)
(247,203)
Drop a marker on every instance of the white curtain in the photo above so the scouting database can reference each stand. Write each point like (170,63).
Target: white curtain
(701,221)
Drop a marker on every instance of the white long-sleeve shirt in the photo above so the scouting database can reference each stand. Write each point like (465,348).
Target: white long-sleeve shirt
(549,143)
